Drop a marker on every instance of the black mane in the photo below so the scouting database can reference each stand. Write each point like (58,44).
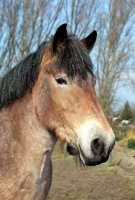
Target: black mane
(73,58)
(21,78)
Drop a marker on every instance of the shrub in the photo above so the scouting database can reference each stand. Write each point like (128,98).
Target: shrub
(131,143)
(118,137)
(130,135)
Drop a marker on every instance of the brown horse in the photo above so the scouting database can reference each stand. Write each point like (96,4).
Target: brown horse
(48,95)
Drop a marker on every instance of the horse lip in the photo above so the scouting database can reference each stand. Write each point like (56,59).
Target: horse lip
(93,161)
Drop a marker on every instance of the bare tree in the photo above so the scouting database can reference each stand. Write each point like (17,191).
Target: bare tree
(114,48)
(24,24)
(81,15)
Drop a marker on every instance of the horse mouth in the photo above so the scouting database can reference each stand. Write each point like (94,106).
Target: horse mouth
(96,160)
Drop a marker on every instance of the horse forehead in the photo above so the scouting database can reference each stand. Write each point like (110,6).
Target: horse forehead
(85,83)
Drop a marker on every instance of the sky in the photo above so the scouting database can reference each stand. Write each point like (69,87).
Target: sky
(125,94)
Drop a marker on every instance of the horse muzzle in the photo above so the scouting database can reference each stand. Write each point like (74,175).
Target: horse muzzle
(94,143)
(96,160)
(98,153)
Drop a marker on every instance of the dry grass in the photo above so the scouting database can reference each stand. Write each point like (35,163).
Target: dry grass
(129,135)
(92,183)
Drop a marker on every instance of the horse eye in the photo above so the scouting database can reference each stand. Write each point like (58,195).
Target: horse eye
(61,81)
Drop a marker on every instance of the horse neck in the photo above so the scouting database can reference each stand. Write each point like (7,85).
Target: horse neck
(22,130)
(25,151)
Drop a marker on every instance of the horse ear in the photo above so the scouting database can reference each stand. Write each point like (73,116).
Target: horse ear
(59,38)
(90,40)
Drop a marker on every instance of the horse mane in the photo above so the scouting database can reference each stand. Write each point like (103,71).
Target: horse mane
(21,78)
(73,58)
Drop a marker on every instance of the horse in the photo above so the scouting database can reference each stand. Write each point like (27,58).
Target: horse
(49,95)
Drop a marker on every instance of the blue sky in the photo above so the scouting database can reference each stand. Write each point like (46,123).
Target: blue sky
(124,94)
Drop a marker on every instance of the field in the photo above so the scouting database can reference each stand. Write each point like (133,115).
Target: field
(114,180)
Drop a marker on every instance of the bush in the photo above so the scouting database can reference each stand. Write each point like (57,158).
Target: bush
(130,135)
(131,143)
(118,137)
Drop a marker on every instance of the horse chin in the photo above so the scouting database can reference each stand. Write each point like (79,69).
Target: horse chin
(72,150)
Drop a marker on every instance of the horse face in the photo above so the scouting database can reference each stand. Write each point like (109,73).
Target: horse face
(68,107)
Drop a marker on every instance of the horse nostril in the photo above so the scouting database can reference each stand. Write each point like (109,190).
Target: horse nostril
(97,146)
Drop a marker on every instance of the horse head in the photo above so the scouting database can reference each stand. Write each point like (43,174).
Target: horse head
(65,100)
